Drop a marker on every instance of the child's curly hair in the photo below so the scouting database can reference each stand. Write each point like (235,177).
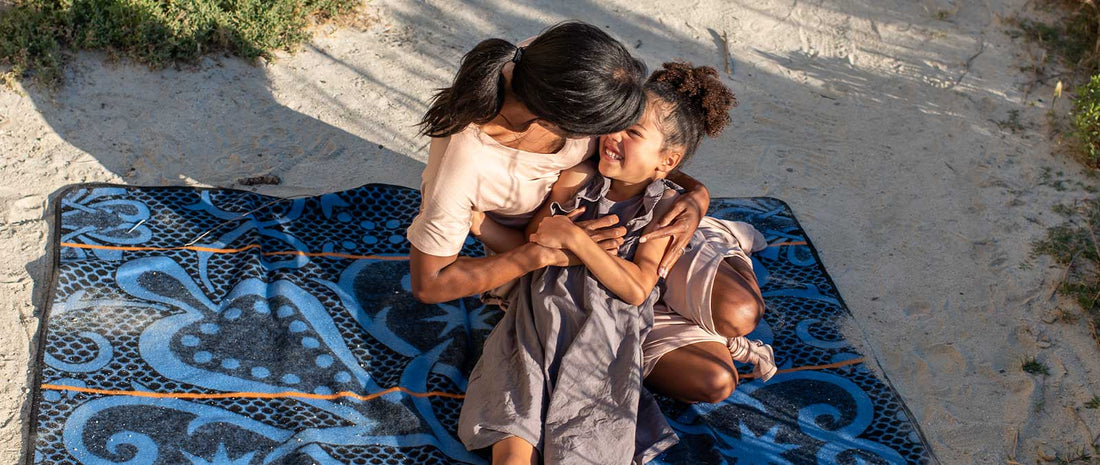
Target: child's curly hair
(696,101)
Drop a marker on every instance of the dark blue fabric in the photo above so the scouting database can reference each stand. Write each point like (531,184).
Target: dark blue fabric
(192,321)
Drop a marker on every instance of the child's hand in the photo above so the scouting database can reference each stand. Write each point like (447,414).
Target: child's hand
(476,219)
(556,232)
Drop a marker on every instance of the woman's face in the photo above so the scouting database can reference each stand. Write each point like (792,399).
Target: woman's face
(634,154)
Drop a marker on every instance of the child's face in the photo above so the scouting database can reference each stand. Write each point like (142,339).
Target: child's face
(634,154)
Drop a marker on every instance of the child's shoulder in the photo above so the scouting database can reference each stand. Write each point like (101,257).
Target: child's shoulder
(670,192)
(580,172)
(577,177)
(667,190)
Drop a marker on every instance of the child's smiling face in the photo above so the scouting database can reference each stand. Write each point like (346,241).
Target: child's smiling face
(635,154)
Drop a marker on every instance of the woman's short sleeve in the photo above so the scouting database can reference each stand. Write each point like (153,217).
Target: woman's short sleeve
(448,194)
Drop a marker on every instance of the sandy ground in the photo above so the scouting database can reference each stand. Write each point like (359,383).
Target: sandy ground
(875,120)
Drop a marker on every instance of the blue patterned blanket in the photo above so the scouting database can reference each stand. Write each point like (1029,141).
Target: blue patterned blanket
(215,326)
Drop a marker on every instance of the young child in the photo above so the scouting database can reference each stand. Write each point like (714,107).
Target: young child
(562,371)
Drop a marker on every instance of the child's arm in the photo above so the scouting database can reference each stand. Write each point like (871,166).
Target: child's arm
(601,230)
(565,188)
(630,281)
(501,238)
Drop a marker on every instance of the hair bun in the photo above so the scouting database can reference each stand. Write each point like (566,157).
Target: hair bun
(704,89)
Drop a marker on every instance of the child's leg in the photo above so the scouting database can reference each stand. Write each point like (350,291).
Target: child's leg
(712,302)
(514,451)
(713,283)
(700,372)
(735,304)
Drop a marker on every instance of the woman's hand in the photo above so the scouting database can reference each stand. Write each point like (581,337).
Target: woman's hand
(680,222)
(604,231)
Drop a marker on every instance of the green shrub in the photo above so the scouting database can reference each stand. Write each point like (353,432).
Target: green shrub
(1086,120)
(34,33)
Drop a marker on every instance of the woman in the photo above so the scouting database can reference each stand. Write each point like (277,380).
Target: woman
(524,122)
(513,119)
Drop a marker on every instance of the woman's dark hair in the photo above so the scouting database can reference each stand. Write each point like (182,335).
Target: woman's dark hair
(695,103)
(573,75)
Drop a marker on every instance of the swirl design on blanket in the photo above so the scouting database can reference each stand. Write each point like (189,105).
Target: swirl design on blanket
(99,216)
(168,324)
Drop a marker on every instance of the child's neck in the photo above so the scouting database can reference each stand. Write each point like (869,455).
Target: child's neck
(623,190)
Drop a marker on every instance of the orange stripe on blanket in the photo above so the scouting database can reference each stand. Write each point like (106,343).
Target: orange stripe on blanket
(844,363)
(348,394)
(777,244)
(242,249)
(249,395)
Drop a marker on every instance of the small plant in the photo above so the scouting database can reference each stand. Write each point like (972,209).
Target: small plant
(1075,245)
(1063,210)
(1074,237)
(1070,40)
(1093,403)
(1012,123)
(1071,53)
(1080,456)
(1067,316)
(1034,366)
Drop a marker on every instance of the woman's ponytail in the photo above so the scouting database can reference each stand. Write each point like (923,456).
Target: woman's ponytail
(476,94)
(573,75)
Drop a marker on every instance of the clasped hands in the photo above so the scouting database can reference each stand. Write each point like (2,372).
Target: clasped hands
(555,233)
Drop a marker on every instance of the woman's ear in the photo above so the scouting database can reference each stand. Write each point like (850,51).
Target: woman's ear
(670,159)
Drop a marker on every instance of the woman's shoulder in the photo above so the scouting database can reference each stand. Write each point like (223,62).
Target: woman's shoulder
(463,145)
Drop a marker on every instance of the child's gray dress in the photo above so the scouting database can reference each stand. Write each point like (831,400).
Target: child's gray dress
(563,367)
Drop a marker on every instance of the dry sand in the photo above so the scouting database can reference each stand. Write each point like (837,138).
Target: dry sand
(875,120)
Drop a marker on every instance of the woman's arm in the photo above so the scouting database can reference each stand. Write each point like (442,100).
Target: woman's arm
(497,237)
(436,236)
(680,221)
(441,279)
(631,281)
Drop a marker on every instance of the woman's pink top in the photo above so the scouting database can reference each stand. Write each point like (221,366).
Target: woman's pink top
(472,171)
